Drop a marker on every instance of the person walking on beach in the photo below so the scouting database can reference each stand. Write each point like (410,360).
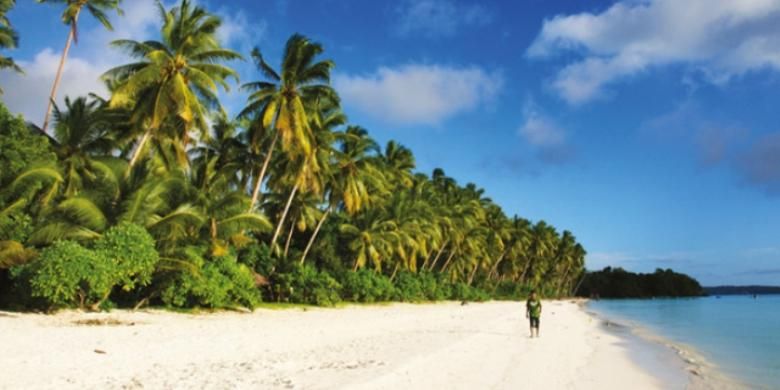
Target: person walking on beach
(533,310)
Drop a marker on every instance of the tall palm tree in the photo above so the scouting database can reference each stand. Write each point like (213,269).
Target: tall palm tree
(283,101)
(175,80)
(9,39)
(70,16)
(354,178)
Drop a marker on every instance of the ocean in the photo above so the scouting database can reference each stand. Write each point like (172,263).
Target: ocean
(738,335)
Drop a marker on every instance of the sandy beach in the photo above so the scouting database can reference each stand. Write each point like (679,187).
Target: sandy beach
(429,346)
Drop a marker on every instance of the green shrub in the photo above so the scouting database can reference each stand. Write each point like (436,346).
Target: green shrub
(131,251)
(367,286)
(305,284)
(464,292)
(408,287)
(220,282)
(68,274)
(258,257)
(19,146)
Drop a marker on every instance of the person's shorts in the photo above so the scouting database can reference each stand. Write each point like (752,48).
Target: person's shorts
(534,322)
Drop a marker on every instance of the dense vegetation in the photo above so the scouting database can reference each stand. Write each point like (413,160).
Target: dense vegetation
(619,283)
(153,195)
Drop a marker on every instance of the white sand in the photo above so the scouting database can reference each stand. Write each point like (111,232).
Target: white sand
(434,346)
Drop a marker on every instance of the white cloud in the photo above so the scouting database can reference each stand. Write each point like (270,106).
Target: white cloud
(28,94)
(238,32)
(546,135)
(539,130)
(722,38)
(439,18)
(419,94)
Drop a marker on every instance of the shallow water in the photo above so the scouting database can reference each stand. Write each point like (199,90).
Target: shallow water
(739,334)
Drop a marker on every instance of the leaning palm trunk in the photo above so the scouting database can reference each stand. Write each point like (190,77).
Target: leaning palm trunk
(447,263)
(436,259)
(473,273)
(314,235)
(525,270)
(139,149)
(289,238)
(284,215)
(562,281)
(259,180)
(58,77)
(395,271)
(577,287)
(494,268)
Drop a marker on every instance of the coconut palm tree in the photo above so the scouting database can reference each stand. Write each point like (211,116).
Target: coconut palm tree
(83,132)
(70,16)
(354,179)
(175,81)
(283,101)
(9,39)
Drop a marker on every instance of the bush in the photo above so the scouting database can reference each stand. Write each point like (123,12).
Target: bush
(258,257)
(19,146)
(304,284)
(367,286)
(464,292)
(131,251)
(220,282)
(68,274)
(408,287)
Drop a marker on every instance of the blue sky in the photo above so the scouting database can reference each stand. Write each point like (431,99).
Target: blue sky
(648,128)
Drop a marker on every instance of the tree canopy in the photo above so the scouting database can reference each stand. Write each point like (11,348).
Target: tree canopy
(155,195)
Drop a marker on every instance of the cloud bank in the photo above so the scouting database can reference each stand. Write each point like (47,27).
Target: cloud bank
(419,94)
(721,38)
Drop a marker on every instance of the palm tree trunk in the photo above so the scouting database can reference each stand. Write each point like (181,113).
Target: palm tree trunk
(577,287)
(138,149)
(58,77)
(446,263)
(395,271)
(561,282)
(436,259)
(289,238)
(525,269)
(259,180)
(494,268)
(427,259)
(473,273)
(284,215)
(314,235)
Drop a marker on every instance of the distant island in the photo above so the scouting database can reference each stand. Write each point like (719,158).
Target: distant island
(742,290)
(619,283)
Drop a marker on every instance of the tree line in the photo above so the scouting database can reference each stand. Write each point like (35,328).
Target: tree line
(154,195)
(619,283)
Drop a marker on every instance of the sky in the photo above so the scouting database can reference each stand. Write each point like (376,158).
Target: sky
(648,128)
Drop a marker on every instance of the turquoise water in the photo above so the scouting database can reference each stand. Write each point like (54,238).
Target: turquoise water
(739,334)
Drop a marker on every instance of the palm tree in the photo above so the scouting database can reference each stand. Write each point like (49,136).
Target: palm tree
(70,16)
(354,179)
(9,39)
(82,132)
(283,101)
(176,79)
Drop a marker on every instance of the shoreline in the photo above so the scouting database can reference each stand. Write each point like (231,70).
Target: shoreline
(701,373)
(413,346)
